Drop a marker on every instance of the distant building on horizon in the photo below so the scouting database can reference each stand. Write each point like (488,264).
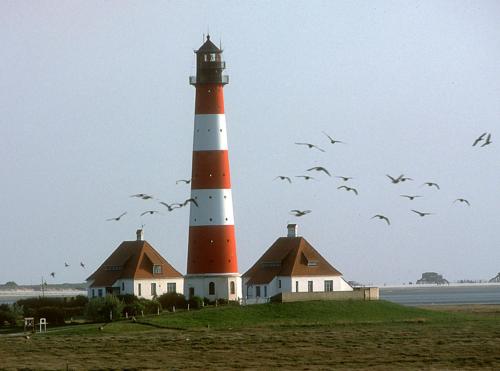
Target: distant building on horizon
(135,267)
(432,278)
(291,264)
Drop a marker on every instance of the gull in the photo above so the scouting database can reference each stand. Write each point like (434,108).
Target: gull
(190,200)
(310,146)
(117,218)
(410,197)
(82,265)
(344,178)
(143,196)
(332,141)
(431,184)
(306,177)
(395,180)
(53,274)
(66,264)
(171,206)
(480,138)
(382,217)
(186,181)
(300,212)
(320,168)
(349,189)
(488,141)
(404,179)
(421,213)
(151,212)
(462,200)
(282,177)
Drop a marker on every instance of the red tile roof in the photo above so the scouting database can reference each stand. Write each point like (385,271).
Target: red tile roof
(132,259)
(289,256)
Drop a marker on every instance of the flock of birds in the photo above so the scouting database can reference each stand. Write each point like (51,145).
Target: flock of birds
(485,138)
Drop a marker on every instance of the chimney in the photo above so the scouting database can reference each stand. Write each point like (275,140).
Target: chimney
(140,234)
(292,230)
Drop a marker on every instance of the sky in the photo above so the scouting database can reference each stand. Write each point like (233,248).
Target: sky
(95,106)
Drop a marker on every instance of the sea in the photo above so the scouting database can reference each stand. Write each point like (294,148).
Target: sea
(442,294)
(11,296)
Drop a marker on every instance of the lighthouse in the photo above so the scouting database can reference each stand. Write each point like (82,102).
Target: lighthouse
(212,266)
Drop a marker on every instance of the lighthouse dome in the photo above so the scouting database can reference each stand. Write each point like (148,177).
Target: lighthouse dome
(209,47)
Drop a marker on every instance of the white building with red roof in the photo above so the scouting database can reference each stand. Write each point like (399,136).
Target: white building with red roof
(291,264)
(135,267)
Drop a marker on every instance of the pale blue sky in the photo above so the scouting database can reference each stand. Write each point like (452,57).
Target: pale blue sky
(95,106)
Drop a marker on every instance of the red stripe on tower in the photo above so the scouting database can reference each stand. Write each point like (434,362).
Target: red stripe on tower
(212,267)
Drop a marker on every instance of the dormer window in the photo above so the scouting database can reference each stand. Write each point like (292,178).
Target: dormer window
(157,269)
(312,263)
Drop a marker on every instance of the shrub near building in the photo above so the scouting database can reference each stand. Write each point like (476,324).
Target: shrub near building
(106,309)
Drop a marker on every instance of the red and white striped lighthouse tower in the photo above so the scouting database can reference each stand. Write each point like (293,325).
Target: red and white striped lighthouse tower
(212,267)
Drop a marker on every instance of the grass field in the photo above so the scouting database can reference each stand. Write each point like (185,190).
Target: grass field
(310,335)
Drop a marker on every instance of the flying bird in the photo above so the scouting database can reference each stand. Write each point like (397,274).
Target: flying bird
(395,180)
(349,189)
(462,200)
(332,141)
(151,212)
(320,168)
(410,197)
(431,184)
(53,274)
(300,212)
(186,181)
(66,264)
(310,146)
(421,213)
(190,200)
(82,265)
(171,206)
(306,177)
(488,141)
(480,138)
(143,196)
(344,178)
(282,177)
(117,218)
(382,217)
(404,179)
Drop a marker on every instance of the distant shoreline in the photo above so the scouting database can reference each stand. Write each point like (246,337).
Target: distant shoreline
(431,285)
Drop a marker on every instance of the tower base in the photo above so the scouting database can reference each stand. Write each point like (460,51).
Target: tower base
(213,286)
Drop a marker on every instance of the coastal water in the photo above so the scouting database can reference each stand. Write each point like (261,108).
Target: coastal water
(443,294)
(9,297)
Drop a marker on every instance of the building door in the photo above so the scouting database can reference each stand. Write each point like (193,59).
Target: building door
(310,286)
(191,292)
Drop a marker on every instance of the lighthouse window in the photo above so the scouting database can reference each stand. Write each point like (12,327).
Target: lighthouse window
(232,289)
(220,130)
(211,288)
(210,219)
(211,241)
(212,57)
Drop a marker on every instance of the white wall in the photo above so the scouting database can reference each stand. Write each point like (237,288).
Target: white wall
(288,285)
(200,284)
(131,287)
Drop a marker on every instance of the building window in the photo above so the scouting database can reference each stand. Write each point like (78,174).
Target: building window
(153,289)
(296,286)
(279,284)
(265,291)
(93,293)
(139,291)
(257,291)
(99,293)
(171,287)
(232,289)
(211,288)
(123,286)
(328,285)
(157,269)
(309,286)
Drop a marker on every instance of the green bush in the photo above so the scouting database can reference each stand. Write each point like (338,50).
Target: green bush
(99,309)
(54,315)
(171,299)
(151,306)
(195,302)
(133,309)
(74,312)
(7,316)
